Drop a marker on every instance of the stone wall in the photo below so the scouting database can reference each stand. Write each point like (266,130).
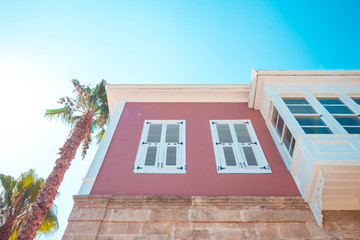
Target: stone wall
(105,217)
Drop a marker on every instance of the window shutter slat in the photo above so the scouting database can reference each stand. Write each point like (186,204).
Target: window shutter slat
(250,156)
(242,133)
(172,133)
(229,156)
(224,133)
(154,133)
(150,158)
(171,156)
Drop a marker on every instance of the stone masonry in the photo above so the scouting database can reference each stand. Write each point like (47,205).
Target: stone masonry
(105,217)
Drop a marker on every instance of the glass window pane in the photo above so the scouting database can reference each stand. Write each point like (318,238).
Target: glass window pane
(292,147)
(172,133)
(348,121)
(356,99)
(242,133)
(310,121)
(275,117)
(171,156)
(317,130)
(301,109)
(151,156)
(336,101)
(224,133)
(250,156)
(338,110)
(295,101)
(229,156)
(287,138)
(353,130)
(154,133)
(280,125)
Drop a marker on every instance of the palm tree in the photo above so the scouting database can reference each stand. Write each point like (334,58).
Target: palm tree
(86,114)
(16,198)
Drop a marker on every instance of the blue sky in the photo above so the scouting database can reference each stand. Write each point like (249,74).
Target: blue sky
(44,44)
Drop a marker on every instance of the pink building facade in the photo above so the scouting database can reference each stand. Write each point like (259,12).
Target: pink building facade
(225,162)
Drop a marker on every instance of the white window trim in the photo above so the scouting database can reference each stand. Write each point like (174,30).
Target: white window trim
(139,166)
(238,152)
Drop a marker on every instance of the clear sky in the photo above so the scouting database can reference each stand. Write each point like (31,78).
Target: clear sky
(45,44)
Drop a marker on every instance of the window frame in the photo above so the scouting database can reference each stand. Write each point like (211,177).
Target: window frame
(342,103)
(313,115)
(160,165)
(262,167)
(282,135)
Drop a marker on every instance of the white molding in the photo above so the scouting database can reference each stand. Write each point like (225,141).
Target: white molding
(303,81)
(316,198)
(94,168)
(176,93)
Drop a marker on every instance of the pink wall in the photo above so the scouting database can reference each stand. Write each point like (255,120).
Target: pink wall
(116,175)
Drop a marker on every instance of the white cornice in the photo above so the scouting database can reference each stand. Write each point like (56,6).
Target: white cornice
(284,78)
(304,72)
(176,93)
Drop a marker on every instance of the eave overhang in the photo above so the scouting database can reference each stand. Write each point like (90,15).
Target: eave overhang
(176,93)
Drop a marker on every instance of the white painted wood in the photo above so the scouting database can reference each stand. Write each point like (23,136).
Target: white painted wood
(237,148)
(176,93)
(94,168)
(316,198)
(139,165)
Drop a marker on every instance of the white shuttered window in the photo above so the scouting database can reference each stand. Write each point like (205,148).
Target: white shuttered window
(236,147)
(162,147)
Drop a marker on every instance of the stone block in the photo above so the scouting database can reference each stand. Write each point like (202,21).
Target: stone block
(293,231)
(261,215)
(228,214)
(189,234)
(152,237)
(67,237)
(158,228)
(230,234)
(201,213)
(124,237)
(333,229)
(351,230)
(120,228)
(91,199)
(82,228)
(84,237)
(220,200)
(267,230)
(87,213)
(127,201)
(316,231)
(297,215)
(168,200)
(102,237)
(130,213)
(169,214)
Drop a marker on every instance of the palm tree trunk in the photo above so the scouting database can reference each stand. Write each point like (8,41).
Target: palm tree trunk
(50,188)
(6,228)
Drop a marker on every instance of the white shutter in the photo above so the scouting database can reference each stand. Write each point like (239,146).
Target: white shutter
(162,147)
(236,147)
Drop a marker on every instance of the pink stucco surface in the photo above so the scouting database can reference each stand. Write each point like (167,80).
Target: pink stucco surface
(116,175)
